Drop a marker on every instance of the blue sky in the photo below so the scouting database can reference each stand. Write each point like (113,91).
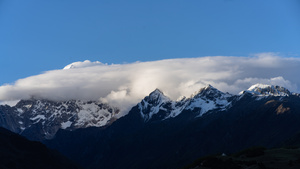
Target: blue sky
(37,36)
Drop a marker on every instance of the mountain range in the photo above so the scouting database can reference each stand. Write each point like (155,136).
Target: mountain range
(40,119)
(159,132)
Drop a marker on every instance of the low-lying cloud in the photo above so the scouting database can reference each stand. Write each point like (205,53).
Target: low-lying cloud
(124,85)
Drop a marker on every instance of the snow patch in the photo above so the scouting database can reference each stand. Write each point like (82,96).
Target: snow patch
(92,115)
(20,111)
(38,117)
(65,125)
(258,85)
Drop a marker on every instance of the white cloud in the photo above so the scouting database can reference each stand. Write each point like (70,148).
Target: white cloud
(85,63)
(124,85)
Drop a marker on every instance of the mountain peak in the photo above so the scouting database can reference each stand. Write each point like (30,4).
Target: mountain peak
(156,91)
(268,90)
(208,90)
(209,86)
(209,98)
(151,104)
(156,96)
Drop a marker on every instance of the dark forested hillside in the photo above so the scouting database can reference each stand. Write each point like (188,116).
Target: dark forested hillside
(16,152)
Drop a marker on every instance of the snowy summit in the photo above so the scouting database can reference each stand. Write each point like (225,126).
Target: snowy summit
(268,90)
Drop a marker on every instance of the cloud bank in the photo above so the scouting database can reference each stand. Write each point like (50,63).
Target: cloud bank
(124,85)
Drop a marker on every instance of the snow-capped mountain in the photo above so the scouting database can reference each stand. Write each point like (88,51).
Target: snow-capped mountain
(153,103)
(41,119)
(207,99)
(157,106)
(50,116)
(268,90)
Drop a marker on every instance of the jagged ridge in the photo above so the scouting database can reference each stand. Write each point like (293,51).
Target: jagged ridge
(205,100)
(268,90)
(51,116)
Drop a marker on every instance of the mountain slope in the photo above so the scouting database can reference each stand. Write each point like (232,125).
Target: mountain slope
(255,157)
(18,152)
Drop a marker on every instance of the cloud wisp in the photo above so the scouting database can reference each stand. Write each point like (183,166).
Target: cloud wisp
(124,85)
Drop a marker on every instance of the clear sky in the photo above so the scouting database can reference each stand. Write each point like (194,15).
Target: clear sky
(40,35)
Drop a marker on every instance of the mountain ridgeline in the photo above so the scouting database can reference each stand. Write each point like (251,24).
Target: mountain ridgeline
(159,132)
(41,119)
